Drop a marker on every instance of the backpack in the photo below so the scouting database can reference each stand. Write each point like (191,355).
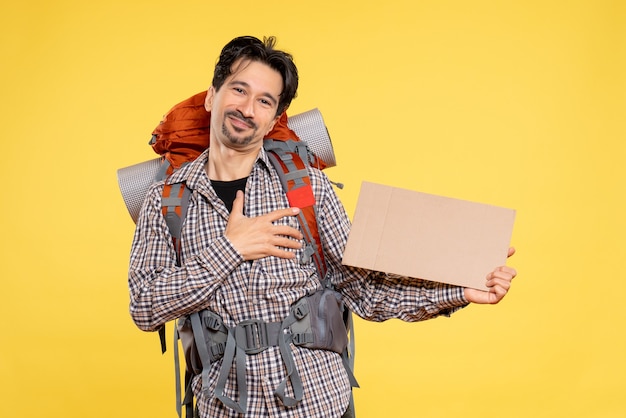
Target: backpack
(180,137)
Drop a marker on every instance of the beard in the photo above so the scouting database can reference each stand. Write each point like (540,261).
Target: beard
(233,136)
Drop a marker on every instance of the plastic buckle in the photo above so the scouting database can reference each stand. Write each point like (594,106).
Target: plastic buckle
(301,338)
(212,321)
(251,336)
(300,309)
(217,351)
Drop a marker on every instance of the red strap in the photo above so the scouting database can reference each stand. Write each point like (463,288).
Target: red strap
(301,197)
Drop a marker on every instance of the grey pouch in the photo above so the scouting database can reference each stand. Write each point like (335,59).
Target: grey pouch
(319,322)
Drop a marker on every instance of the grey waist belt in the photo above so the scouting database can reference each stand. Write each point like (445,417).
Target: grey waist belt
(233,344)
(315,321)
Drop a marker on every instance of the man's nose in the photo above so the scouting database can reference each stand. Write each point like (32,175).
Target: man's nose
(246,107)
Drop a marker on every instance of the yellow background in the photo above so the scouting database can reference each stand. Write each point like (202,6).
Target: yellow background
(517,104)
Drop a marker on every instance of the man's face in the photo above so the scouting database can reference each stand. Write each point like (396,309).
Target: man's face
(244,109)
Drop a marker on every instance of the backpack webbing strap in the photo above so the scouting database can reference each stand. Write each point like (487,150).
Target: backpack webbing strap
(348,354)
(240,366)
(163,169)
(252,337)
(162,338)
(188,399)
(292,372)
(203,351)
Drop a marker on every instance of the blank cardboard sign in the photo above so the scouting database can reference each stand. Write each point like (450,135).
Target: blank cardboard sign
(427,236)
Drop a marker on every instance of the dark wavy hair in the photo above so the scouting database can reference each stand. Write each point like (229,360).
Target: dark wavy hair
(253,49)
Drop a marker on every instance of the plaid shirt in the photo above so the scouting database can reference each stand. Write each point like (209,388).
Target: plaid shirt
(214,276)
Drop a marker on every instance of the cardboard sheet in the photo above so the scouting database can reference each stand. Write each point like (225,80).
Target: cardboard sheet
(427,236)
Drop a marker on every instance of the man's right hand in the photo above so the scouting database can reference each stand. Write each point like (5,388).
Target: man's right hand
(258,237)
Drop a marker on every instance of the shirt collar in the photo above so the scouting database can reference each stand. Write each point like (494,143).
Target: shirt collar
(194,173)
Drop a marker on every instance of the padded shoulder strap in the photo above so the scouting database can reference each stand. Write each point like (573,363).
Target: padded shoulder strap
(290,158)
(174,203)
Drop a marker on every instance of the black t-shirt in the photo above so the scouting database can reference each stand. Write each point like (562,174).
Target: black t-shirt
(227,190)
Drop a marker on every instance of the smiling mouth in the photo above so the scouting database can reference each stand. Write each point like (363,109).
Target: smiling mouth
(240,122)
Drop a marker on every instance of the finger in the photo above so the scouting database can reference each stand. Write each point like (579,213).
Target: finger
(498,283)
(238,203)
(280,253)
(494,294)
(495,282)
(287,231)
(505,271)
(287,243)
(281,213)
(511,251)
(497,295)
(502,288)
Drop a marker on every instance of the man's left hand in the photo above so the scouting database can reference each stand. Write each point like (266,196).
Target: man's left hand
(498,282)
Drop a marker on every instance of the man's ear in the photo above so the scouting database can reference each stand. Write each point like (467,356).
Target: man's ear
(208,101)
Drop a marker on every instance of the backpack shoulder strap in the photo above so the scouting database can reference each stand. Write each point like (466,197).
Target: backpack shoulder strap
(174,203)
(290,159)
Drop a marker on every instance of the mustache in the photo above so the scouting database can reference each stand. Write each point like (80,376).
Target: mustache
(237,114)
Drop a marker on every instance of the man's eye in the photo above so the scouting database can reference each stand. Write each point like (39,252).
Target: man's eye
(238,90)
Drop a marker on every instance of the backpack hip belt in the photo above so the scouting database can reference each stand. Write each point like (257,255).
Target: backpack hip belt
(315,321)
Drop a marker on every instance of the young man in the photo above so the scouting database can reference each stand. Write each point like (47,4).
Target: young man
(242,254)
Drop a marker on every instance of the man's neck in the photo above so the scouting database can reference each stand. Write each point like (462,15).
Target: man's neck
(227,164)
